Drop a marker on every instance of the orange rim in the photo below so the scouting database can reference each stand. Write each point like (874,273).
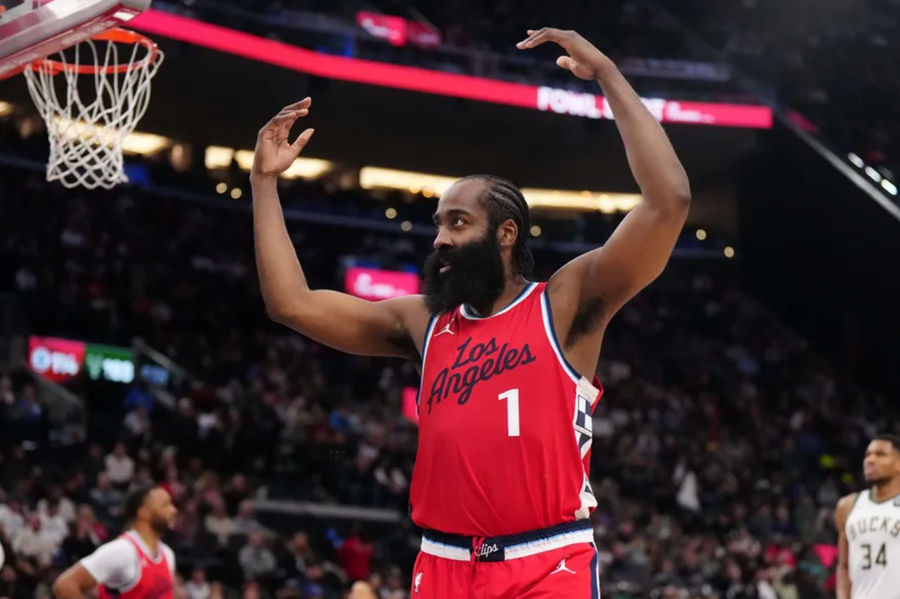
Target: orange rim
(116,34)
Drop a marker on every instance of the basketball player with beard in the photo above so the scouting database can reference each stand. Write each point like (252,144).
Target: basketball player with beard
(137,565)
(868,525)
(500,483)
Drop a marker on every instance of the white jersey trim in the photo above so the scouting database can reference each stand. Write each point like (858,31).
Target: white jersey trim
(547,317)
(459,554)
(134,536)
(445,551)
(467,313)
(549,544)
(428,331)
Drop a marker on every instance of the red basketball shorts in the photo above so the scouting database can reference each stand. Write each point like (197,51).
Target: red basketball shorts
(553,563)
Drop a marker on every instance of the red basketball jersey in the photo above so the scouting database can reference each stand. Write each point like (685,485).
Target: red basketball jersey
(504,424)
(155,579)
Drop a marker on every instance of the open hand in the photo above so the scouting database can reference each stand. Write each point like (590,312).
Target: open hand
(584,59)
(274,152)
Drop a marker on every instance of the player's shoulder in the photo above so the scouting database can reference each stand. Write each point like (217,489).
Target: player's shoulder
(410,308)
(845,504)
(119,544)
(110,557)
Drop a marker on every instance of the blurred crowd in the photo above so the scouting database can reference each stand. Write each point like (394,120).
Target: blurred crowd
(721,446)
(834,64)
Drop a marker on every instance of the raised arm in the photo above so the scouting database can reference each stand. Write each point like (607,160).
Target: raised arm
(636,253)
(387,328)
(587,291)
(841,512)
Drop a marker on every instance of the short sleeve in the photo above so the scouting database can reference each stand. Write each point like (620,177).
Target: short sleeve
(114,564)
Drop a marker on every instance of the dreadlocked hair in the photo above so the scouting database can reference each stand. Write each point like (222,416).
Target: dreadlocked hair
(503,201)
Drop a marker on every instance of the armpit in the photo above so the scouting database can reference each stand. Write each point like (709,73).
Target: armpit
(589,315)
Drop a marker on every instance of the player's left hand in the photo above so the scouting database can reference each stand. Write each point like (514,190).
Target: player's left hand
(584,59)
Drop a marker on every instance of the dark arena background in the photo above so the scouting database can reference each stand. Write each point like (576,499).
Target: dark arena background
(741,387)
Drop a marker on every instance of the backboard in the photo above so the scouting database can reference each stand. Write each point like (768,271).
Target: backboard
(34,29)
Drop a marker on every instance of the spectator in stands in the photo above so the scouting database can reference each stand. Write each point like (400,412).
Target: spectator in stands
(106,498)
(12,519)
(52,521)
(137,423)
(355,555)
(7,396)
(64,505)
(98,530)
(82,542)
(245,522)
(95,464)
(236,492)
(220,524)
(139,397)
(198,587)
(301,554)
(119,466)
(11,587)
(35,543)
(256,560)
(28,418)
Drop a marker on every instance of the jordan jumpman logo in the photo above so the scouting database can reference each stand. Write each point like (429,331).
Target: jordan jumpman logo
(447,329)
(561,567)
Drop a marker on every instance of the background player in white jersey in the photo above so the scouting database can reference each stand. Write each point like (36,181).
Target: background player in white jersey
(137,565)
(868,525)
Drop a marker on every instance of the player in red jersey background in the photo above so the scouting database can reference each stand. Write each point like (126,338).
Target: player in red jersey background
(137,565)
(500,485)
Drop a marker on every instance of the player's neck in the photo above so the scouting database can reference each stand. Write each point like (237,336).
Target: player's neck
(886,490)
(511,290)
(148,536)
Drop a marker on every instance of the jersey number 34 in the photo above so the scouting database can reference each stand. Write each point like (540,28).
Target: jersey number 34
(880,557)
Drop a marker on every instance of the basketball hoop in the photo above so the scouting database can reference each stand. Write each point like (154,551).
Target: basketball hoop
(86,135)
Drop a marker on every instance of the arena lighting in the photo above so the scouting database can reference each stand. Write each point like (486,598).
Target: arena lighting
(586,201)
(236,193)
(406,225)
(221,188)
(373,177)
(217,157)
(728,251)
(454,85)
(143,144)
(390,213)
(701,234)
(536,230)
(873,174)
(5,108)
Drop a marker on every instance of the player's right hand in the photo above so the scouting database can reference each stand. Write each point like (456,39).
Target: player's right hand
(274,152)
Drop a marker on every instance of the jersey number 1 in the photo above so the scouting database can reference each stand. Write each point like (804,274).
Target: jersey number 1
(512,411)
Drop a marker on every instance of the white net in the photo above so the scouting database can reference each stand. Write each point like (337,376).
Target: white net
(86,133)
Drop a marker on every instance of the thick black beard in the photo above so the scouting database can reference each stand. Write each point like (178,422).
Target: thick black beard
(877,482)
(476,276)
(159,525)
